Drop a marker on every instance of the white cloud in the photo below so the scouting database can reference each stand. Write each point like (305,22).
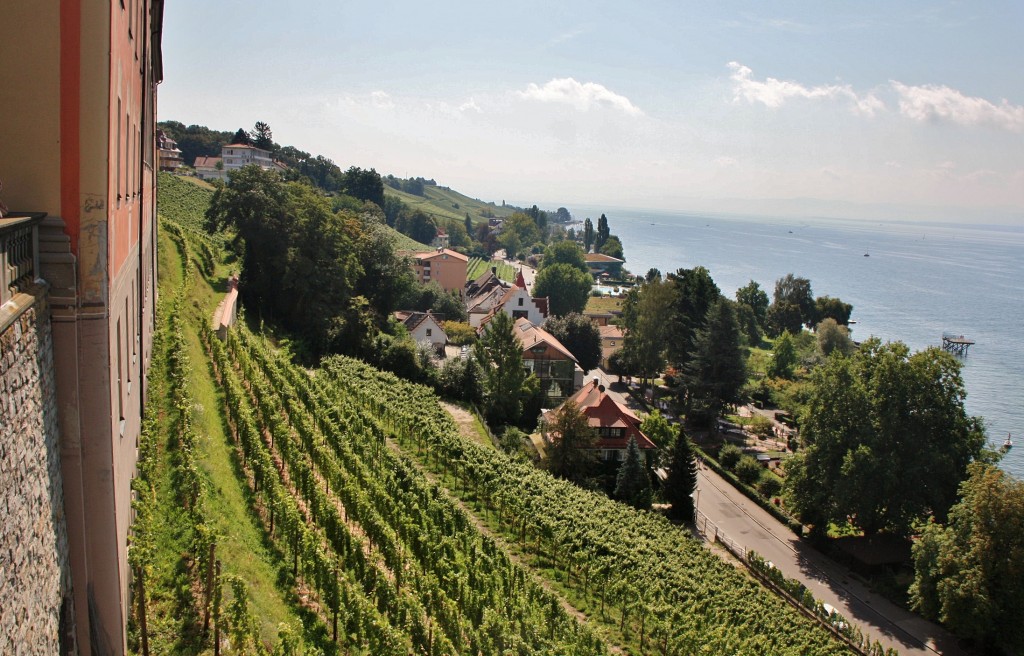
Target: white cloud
(774,93)
(941,103)
(381,100)
(581,96)
(470,106)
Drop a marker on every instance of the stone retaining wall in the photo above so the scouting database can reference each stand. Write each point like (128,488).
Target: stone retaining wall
(35,576)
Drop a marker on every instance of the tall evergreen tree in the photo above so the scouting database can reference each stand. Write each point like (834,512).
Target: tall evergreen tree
(578,334)
(716,372)
(682,479)
(632,484)
(506,383)
(603,232)
(241,137)
(693,293)
(588,234)
(262,137)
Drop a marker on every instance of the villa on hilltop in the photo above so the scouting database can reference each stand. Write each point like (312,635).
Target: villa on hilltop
(233,157)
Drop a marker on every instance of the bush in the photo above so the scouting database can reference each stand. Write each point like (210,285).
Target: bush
(459,333)
(748,470)
(769,486)
(729,455)
(761,426)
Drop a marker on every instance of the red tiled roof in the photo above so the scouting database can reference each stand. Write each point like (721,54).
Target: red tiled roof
(210,162)
(603,411)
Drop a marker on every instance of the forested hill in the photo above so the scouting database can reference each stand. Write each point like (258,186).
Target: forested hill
(416,193)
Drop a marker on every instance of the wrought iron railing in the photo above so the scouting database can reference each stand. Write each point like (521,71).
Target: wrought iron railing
(19,253)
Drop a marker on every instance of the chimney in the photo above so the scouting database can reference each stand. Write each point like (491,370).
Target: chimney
(494,270)
(597,381)
(600,388)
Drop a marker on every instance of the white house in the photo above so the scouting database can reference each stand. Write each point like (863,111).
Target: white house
(424,327)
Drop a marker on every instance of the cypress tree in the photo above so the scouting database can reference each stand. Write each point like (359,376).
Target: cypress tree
(682,479)
(633,485)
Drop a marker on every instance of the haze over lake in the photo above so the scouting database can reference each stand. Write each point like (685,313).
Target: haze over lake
(907,281)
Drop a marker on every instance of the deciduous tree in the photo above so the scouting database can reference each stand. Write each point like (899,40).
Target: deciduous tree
(694,292)
(506,382)
(578,334)
(566,286)
(571,456)
(887,439)
(968,573)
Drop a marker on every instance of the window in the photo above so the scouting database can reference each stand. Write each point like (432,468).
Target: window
(120,378)
(520,302)
(429,331)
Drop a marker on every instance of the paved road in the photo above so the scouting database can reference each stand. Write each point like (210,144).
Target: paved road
(747,524)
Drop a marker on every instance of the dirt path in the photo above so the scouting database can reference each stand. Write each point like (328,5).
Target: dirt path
(466,421)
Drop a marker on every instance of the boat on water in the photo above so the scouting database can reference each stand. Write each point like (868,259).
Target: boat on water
(1008,443)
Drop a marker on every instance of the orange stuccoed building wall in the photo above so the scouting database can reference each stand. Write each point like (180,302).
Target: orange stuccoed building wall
(77,141)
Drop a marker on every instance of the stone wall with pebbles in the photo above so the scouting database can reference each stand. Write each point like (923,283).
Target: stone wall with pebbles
(35,574)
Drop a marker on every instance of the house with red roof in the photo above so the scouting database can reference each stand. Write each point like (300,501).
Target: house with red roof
(613,422)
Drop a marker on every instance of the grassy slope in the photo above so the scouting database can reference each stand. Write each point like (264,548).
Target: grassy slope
(440,202)
(241,548)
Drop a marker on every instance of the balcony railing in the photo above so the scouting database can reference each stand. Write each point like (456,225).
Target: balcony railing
(19,252)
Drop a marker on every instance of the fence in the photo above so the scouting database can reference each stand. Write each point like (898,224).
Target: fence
(712,533)
(19,253)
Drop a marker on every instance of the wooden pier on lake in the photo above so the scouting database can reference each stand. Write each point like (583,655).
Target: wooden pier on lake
(956,344)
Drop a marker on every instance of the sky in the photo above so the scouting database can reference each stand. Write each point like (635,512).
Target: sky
(903,110)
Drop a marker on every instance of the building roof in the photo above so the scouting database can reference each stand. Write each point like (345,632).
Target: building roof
(440,252)
(603,411)
(600,257)
(206,162)
(610,331)
(530,336)
(412,319)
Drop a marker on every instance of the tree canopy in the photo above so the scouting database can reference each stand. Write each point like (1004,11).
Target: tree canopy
(792,306)
(826,307)
(646,316)
(693,293)
(632,483)
(566,287)
(887,439)
(716,371)
(306,266)
(968,573)
(578,334)
(603,232)
(570,456)
(564,252)
(507,385)
(682,479)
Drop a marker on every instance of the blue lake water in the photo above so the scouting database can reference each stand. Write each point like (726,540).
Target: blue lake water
(918,281)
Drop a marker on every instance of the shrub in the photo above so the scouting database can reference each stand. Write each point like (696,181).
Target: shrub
(729,455)
(748,470)
(761,426)
(769,486)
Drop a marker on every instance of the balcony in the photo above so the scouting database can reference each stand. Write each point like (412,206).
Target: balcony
(19,253)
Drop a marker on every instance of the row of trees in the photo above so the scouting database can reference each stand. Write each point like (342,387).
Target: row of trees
(332,278)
